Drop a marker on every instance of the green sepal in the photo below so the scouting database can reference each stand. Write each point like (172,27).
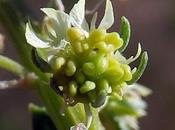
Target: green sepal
(143,63)
(39,62)
(125,32)
(40,118)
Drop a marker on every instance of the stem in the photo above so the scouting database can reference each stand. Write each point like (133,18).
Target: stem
(11,65)
(12,22)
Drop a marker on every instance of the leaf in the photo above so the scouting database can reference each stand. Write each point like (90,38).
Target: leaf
(33,39)
(125,33)
(108,18)
(40,63)
(143,63)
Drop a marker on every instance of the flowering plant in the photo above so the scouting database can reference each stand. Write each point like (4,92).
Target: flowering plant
(81,70)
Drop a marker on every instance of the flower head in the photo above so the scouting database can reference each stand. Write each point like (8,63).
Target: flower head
(86,61)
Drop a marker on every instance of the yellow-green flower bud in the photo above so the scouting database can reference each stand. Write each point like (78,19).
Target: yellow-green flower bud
(114,38)
(77,47)
(101,65)
(70,68)
(74,35)
(87,86)
(85,46)
(101,46)
(89,68)
(97,35)
(58,63)
(72,88)
(80,78)
(127,72)
(103,85)
(114,74)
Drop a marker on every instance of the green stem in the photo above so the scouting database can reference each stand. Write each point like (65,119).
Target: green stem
(72,115)
(11,65)
(10,19)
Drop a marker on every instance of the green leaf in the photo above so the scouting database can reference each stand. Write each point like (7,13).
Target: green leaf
(33,39)
(11,65)
(39,62)
(108,18)
(125,33)
(143,63)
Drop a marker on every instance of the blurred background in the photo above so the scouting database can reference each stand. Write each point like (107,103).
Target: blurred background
(153,24)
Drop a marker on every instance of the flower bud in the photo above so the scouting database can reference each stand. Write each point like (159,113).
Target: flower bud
(80,78)
(87,86)
(58,63)
(101,46)
(89,68)
(70,68)
(97,35)
(72,88)
(77,47)
(103,85)
(101,65)
(114,38)
(74,34)
(127,72)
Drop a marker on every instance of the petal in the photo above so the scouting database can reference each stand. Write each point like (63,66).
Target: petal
(132,58)
(108,18)
(78,13)
(93,22)
(60,21)
(33,39)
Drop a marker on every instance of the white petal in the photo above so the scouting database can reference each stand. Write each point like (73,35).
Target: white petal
(50,12)
(60,20)
(120,58)
(33,39)
(78,13)
(132,58)
(108,18)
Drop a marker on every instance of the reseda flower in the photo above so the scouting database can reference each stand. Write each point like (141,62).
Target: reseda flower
(86,62)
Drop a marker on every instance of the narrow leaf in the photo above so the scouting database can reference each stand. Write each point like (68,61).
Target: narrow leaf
(108,18)
(40,63)
(125,33)
(141,68)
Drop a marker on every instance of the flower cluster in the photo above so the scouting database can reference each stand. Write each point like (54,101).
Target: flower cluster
(87,70)
(85,61)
